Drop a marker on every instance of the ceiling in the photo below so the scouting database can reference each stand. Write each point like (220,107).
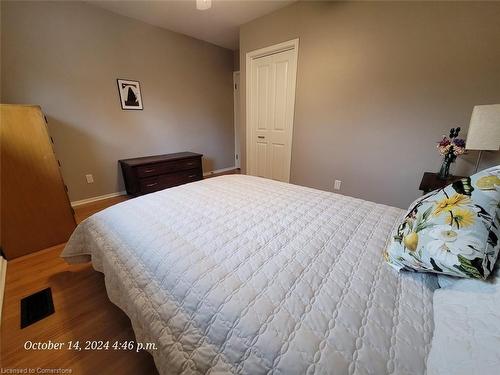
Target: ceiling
(218,25)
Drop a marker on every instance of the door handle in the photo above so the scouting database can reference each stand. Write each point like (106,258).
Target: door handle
(261,137)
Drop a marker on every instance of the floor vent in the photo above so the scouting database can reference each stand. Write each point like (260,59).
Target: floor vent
(36,307)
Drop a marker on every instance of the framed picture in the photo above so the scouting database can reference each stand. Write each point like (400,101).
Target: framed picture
(130,94)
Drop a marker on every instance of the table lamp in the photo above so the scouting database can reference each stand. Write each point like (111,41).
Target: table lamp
(484,130)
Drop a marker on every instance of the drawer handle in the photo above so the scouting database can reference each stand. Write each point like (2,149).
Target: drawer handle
(153,184)
(191,163)
(149,170)
(192,176)
(261,137)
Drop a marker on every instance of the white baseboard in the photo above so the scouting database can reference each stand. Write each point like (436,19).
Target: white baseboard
(98,198)
(218,171)
(3,274)
(117,194)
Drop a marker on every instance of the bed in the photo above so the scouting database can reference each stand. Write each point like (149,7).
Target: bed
(239,274)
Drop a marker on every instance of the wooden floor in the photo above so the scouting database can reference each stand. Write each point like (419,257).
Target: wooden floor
(82,312)
(84,211)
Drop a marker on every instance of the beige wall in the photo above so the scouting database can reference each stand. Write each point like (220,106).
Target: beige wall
(67,57)
(377,85)
(236,60)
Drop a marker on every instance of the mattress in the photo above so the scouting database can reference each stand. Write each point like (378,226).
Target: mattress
(244,275)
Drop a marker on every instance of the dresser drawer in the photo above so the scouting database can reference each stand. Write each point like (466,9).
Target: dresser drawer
(150,184)
(150,170)
(167,167)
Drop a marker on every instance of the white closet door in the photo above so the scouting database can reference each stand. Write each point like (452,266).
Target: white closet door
(272,97)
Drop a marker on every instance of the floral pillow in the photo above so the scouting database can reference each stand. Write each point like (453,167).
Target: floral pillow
(453,230)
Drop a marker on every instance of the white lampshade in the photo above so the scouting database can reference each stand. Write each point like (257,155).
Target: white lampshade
(203,4)
(484,128)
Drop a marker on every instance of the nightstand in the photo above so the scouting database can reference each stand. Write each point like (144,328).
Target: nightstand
(430,182)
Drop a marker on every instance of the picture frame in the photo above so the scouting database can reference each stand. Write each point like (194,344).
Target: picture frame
(130,94)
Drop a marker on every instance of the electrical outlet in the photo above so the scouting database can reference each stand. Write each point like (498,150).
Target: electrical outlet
(90,178)
(336,185)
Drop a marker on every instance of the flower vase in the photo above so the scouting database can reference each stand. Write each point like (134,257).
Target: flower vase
(444,172)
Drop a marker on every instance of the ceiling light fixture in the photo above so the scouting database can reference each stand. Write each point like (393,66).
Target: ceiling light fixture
(203,4)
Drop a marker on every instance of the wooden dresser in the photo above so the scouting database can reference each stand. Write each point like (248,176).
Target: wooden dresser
(35,210)
(152,173)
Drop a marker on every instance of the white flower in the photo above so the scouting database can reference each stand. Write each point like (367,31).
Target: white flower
(448,243)
(444,233)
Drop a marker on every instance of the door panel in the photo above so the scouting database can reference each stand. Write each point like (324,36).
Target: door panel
(263,104)
(261,152)
(270,106)
(281,84)
(277,161)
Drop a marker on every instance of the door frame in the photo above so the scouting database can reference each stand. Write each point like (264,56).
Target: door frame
(290,45)
(237,118)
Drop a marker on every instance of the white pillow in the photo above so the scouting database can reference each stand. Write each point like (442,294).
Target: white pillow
(466,327)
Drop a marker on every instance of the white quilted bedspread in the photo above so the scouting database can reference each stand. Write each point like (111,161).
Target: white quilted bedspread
(239,274)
